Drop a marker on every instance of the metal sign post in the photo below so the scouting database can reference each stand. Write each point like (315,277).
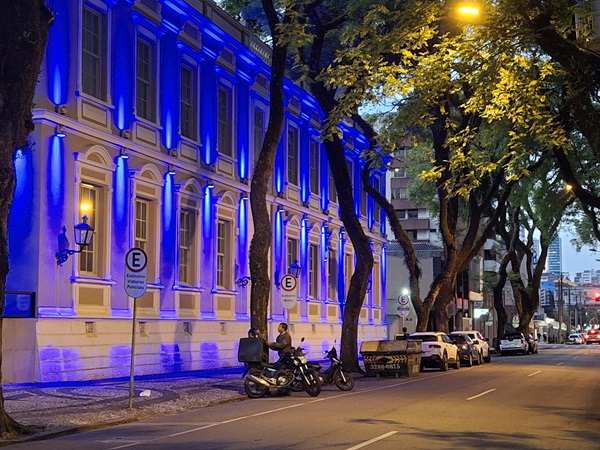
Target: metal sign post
(136,280)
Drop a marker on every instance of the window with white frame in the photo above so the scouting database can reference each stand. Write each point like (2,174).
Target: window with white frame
(225,121)
(223,263)
(145,231)
(292,251)
(145,85)
(349,269)
(94,52)
(332,269)
(187,247)
(259,132)
(399,172)
(90,205)
(376,206)
(399,193)
(292,156)
(314,167)
(332,190)
(313,270)
(363,201)
(189,102)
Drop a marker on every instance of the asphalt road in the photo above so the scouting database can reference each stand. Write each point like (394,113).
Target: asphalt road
(546,401)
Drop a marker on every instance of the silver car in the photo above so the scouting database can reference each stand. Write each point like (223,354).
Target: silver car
(481,344)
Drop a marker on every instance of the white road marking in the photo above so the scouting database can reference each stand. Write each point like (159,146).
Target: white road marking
(371,441)
(560,363)
(482,394)
(534,373)
(193,430)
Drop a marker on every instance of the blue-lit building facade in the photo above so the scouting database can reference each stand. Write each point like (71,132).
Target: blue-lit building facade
(163,106)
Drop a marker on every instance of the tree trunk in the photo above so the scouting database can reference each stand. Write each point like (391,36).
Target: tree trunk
(441,307)
(260,244)
(24,27)
(362,249)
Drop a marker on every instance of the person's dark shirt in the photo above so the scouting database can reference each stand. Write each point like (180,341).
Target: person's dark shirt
(283,344)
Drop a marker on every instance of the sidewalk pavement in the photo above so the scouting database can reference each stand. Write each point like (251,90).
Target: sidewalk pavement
(69,407)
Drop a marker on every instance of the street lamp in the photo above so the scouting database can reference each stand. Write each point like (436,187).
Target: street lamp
(83,237)
(294,269)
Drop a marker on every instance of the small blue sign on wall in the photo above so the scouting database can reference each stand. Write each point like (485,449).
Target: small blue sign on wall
(19,304)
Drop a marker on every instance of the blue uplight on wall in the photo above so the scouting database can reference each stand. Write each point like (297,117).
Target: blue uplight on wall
(121,197)
(57,54)
(278,244)
(55,173)
(207,212)
(123,60)
(243,234)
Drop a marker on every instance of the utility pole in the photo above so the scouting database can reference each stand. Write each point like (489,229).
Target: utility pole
(560,307)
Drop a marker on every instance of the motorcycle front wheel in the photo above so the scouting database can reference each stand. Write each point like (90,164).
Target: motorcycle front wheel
(343,381)
(312,384)
(254,389)
(297,385)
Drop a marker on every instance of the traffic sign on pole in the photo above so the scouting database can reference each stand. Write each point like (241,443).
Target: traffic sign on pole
(136,281)
(289,291)
(136,266)
(403,305)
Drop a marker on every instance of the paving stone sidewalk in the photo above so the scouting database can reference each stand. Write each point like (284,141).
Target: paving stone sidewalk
(63,408)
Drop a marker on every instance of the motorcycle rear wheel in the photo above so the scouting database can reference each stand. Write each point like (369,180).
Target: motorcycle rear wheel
(254,389)
(312,384)
(345,382)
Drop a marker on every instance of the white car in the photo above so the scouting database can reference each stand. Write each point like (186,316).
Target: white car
(437,350)
(513,343)
(575,338)
(481,344)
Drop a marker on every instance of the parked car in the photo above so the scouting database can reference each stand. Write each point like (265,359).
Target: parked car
(481,344)
(513,343)
(438,351)
(592,337)
(467,352)
(532,344)
(574,338)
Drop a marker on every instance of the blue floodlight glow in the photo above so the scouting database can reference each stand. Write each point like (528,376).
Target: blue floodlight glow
(243,115)
(123,66)
(278,244)
(341,285)
(383,271)
(55,174)
(243,233)
(279,169)
(207,214)
(121,192)
(57,54)
(304,165)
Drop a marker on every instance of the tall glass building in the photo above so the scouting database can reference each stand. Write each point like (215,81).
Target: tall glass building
(554,260)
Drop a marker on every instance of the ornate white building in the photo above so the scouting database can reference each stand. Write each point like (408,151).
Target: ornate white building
(149,116)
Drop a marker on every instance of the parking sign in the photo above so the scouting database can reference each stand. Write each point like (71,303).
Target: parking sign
(136,266)
(289,291)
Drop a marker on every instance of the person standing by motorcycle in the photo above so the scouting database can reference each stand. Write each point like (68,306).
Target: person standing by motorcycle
(283,342)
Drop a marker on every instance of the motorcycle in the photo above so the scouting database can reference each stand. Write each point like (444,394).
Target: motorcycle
(333,374)
(263,376)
